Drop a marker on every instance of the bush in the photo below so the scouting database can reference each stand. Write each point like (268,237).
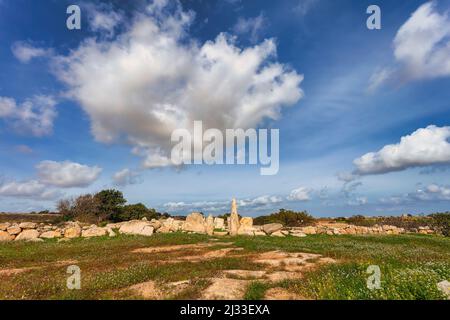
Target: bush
(287,218)
(441,221)
(106,205)
(136,212)
(407,223)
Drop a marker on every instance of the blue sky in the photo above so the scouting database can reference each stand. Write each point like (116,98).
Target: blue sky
(365,132)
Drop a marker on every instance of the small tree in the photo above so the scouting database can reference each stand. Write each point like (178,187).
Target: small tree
(110,204)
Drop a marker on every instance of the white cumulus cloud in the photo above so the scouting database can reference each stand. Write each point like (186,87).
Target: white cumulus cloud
(152,78)
(67,174)
(25,51)
(424,147)
(421,48)
(125,177)
(34,116)
(28,189)
(300,194)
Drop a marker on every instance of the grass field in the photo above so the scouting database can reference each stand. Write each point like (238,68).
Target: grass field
(411,266)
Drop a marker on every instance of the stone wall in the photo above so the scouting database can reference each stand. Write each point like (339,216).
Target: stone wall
(194,223)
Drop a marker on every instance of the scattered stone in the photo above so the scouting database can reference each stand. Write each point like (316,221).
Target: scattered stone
(277,234)
(111,233)
(137,227)
(278,276)
(195,222)
(246,226)
(50,234)
(272,227)
(156,224)
(5,236)
(93,232)
(245,274)
(219,223)
(309,230)
(152,291)
(225,289)
(281,294)
(29,234)
(220,233)
(298,234)
(28,225)
(4,226)
(259,233)
(14,230)
(72,232)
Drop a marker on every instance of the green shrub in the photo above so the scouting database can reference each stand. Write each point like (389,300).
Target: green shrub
(441,221)
(287,218)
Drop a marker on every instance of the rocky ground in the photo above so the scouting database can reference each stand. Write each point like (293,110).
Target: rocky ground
(197,266)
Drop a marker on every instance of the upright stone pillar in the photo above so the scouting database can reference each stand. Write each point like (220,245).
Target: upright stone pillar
(210,225)
(234,219)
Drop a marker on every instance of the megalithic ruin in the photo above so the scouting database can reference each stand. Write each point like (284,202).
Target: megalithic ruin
(234,219)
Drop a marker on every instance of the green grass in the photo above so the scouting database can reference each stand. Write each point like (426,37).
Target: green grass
(411,266)
(256,290)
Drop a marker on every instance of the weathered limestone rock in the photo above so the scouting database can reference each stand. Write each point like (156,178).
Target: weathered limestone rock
(29,234)
(28,225)
(137,227)
(259,233)
(93,232)
(72,232)
(234,219)
(277,234)
(177,225)
(156,224)
(14,230)
(246,226)
(210,225)
(298,234)
(111,233)
(5,236)
(271,228)
(116,225)
(4,226)
(309,230)
(195,222)
(50,234)
(220,233)
(219,223)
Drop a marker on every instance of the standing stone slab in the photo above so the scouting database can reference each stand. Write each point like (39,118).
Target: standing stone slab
(234,219)
(195,222)
(210,225)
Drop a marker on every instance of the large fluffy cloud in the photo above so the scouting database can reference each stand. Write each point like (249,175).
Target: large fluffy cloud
(421,48)
(152,78)
(28,189)
(426,146)
(34,116)
(422,44)
(67,174)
